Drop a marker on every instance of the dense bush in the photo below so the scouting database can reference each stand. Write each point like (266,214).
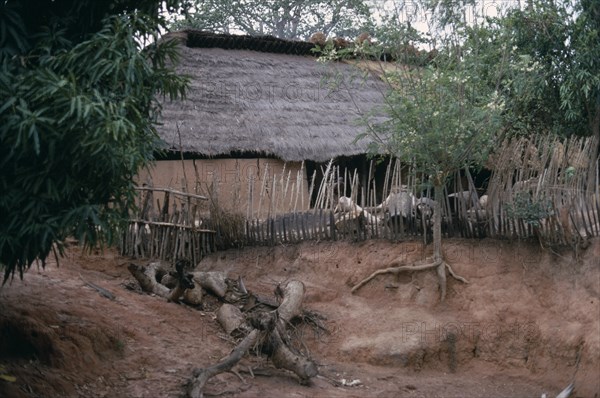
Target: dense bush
(79,105)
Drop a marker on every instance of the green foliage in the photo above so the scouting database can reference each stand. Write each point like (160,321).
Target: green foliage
(543,60)
(5,376)
(550,75)
(531,211)
(285,19)
(441,120)
(76,124)
(441,117)
(530,71)
(533,70)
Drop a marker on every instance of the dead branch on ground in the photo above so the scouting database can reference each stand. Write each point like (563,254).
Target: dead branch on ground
(146,276)
(202,375)
(267,328)
(265,323)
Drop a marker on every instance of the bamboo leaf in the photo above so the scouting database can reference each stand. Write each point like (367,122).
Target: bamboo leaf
(8,378)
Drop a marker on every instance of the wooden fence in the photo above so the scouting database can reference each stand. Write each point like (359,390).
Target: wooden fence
(543,188)
(539,188)
(546,188)
(176,226)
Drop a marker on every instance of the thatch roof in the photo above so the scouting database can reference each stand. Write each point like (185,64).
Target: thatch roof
(266,96)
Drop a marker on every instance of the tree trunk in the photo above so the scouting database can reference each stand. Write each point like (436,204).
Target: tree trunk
(437,223)
(437,238)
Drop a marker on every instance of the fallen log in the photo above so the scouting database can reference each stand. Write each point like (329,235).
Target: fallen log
(146,276)
(212,281)
(269,327)
(231,320)
(169,281)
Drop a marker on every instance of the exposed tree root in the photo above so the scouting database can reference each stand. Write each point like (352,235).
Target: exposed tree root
(431,263)
(202,375)
(266,327)
(455,275)
(284,358)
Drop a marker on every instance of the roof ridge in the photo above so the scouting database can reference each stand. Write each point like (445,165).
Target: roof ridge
(195,38)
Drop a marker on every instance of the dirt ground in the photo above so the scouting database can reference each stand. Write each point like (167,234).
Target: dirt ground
(528,322)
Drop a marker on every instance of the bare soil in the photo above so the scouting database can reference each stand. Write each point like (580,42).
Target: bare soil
(527,323)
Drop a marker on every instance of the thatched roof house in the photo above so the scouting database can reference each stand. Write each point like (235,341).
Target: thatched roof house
(266,96)
(258,100)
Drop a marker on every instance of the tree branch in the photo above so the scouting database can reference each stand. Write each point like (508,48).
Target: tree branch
(202,375)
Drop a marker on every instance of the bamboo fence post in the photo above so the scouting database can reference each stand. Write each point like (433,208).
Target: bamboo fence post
(262,190)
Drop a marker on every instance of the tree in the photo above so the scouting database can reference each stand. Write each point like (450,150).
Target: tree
(530,71)
(550,79)
(580,92)
(79,106)
(286,19)
(441,117)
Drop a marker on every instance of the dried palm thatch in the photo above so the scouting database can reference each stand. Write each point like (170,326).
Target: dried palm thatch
(268,97)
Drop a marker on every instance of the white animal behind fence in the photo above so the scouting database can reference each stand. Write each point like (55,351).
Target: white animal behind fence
(347,205)
(400,202)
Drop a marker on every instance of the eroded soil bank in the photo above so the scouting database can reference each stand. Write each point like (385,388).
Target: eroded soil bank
(527,323)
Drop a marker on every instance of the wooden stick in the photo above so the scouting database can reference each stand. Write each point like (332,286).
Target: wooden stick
(263,184)
(173,191)
(167,224)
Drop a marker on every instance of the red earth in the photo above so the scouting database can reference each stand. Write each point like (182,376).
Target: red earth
(528,322)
